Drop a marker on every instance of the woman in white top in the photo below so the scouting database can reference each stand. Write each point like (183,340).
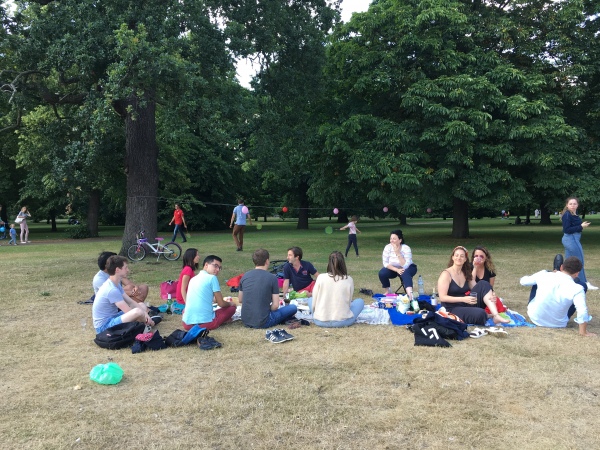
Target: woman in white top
(331,302)
(397,261)
(24,214)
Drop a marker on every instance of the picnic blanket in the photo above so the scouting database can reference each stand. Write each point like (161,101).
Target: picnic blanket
(516,320)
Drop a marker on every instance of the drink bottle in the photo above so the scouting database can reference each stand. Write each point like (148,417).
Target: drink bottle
(421,289)
(169,305)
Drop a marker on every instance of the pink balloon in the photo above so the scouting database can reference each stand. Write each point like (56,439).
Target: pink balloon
(428,209)
(335,210)
(245,210)
(385,209)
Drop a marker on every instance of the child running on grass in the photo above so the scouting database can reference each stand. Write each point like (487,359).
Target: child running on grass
(13,235)
(352,234)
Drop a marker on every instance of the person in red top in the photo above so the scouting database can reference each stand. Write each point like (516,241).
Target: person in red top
(179,220)
(191,259)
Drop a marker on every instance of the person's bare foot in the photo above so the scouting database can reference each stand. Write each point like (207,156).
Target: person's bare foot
(497,318)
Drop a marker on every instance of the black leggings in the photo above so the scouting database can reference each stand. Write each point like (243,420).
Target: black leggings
(352,240)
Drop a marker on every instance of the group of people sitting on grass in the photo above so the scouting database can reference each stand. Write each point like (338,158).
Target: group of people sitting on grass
(465,289)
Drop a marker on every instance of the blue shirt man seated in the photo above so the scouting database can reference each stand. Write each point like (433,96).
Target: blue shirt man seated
(298,272)
(555,296)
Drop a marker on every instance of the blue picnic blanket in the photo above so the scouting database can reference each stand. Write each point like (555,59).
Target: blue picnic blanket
(516,320)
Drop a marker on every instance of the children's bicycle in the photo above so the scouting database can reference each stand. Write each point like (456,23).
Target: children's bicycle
(137,252)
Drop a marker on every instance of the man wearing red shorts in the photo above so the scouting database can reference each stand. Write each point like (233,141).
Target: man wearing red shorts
(202,289)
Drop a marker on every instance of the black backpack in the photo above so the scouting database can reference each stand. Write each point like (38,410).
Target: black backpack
(119,336)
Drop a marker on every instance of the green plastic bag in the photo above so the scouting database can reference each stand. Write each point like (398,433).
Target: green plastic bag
(109,373)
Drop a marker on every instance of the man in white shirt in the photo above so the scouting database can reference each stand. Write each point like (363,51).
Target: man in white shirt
(555,296)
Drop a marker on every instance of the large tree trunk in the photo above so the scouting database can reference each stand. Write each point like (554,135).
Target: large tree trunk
(303,211)
(402,219)
(460,219)
(141,168)
(545,216)
(93,212)
(342,217)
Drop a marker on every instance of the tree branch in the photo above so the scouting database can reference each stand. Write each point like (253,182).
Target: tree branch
(13,126)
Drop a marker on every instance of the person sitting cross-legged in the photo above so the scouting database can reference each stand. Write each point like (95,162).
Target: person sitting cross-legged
(298,272)
(111,298)
(556,296)
(331,304)
(202,290)
(259,295)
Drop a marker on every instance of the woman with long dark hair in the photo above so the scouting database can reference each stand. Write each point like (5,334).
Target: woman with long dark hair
(461,296)
(331,303)
(191,260)
(397,261)
(572,228)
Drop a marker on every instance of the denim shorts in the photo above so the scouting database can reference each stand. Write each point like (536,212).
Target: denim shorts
(110,323)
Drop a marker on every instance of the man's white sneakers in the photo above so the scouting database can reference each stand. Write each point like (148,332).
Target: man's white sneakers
(591,287)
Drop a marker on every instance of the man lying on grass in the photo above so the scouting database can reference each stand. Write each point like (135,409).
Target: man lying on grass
(111,298)
(555,296)
(136,293)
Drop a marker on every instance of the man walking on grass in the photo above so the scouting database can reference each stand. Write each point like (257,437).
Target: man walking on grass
(556,296)
(111,298)
(259,292)
(179,220)
(240,224)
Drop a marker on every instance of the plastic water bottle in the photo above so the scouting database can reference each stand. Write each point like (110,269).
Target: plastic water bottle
(415,304)
(421,290)
(169,303)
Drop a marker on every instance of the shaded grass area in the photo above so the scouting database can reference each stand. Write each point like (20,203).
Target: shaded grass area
(359,387)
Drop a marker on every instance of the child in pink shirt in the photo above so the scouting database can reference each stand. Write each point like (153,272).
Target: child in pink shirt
(352,234)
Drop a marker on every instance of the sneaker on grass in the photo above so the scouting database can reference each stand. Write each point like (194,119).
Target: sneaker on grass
(156,319)
(284,334)
(274,337)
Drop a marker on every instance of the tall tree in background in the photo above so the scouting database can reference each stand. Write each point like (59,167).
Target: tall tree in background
(117,57)
(448,98)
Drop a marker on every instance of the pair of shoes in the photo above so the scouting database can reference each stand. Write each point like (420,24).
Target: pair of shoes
(184,242)
(239,249)
(208,343)
(278,336)
(591,287)
(558,261)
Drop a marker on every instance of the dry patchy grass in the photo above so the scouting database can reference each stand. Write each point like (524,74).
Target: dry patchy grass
(359,387)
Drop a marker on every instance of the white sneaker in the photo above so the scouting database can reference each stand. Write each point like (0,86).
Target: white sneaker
(591,287)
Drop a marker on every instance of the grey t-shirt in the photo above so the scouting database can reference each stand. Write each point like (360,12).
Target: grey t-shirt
(99,279)
(258,287)
(104,307)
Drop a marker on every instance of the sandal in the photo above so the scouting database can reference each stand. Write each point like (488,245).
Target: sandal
(497,332)
(294,324)
(477,333)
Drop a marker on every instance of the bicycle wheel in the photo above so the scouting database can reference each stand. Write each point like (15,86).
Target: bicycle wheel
(136,253)
(172,251)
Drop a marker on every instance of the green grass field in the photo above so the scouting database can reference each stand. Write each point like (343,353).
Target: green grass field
(359,387)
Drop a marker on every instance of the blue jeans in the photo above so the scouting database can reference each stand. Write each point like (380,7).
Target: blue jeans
(356,307)
(572,308)
(386,274)
(573,248)
(352,240)
(178,228)
(281,315)
(110,323)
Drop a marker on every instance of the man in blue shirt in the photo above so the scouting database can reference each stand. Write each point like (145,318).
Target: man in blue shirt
(298,272)
(240,224)
(202,290)
(111,298)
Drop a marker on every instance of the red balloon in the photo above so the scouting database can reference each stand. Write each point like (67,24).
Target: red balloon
(284,209)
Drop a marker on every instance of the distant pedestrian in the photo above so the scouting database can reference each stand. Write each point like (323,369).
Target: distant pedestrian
(179,220)
(503,212)
(13,235)
(23,215)
(352,234)
(537,213)
(240,224)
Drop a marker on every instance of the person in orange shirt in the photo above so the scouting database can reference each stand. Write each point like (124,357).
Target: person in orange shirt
(179,220)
